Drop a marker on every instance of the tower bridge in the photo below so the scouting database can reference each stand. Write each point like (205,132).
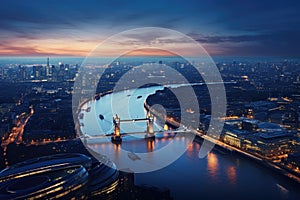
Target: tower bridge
(117,126)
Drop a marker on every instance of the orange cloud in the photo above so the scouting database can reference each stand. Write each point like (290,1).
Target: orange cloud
(83,47)
(150,52)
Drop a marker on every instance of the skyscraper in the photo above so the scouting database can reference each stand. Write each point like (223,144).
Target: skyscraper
(48,68)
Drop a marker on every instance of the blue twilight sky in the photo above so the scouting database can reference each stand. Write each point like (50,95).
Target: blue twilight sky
(223,27)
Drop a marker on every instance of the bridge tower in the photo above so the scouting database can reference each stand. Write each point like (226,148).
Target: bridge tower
(150,127)
(116,121)
(117,138)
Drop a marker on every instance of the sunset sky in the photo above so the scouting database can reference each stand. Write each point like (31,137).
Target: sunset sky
(223,27)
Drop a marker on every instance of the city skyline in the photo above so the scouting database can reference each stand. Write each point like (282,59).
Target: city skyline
(259,142)
(149,99)
(74,28)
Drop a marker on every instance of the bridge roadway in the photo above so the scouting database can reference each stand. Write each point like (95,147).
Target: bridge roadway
(133,133)
(134,120)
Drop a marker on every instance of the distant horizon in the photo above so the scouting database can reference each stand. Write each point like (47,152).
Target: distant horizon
(54,60)
(145,55)
(132,56)
(2,57)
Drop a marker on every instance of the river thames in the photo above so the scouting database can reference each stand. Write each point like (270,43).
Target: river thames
(219,175)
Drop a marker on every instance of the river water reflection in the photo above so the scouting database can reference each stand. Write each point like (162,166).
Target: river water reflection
(219,175)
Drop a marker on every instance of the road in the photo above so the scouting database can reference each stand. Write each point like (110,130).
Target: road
(16,134)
